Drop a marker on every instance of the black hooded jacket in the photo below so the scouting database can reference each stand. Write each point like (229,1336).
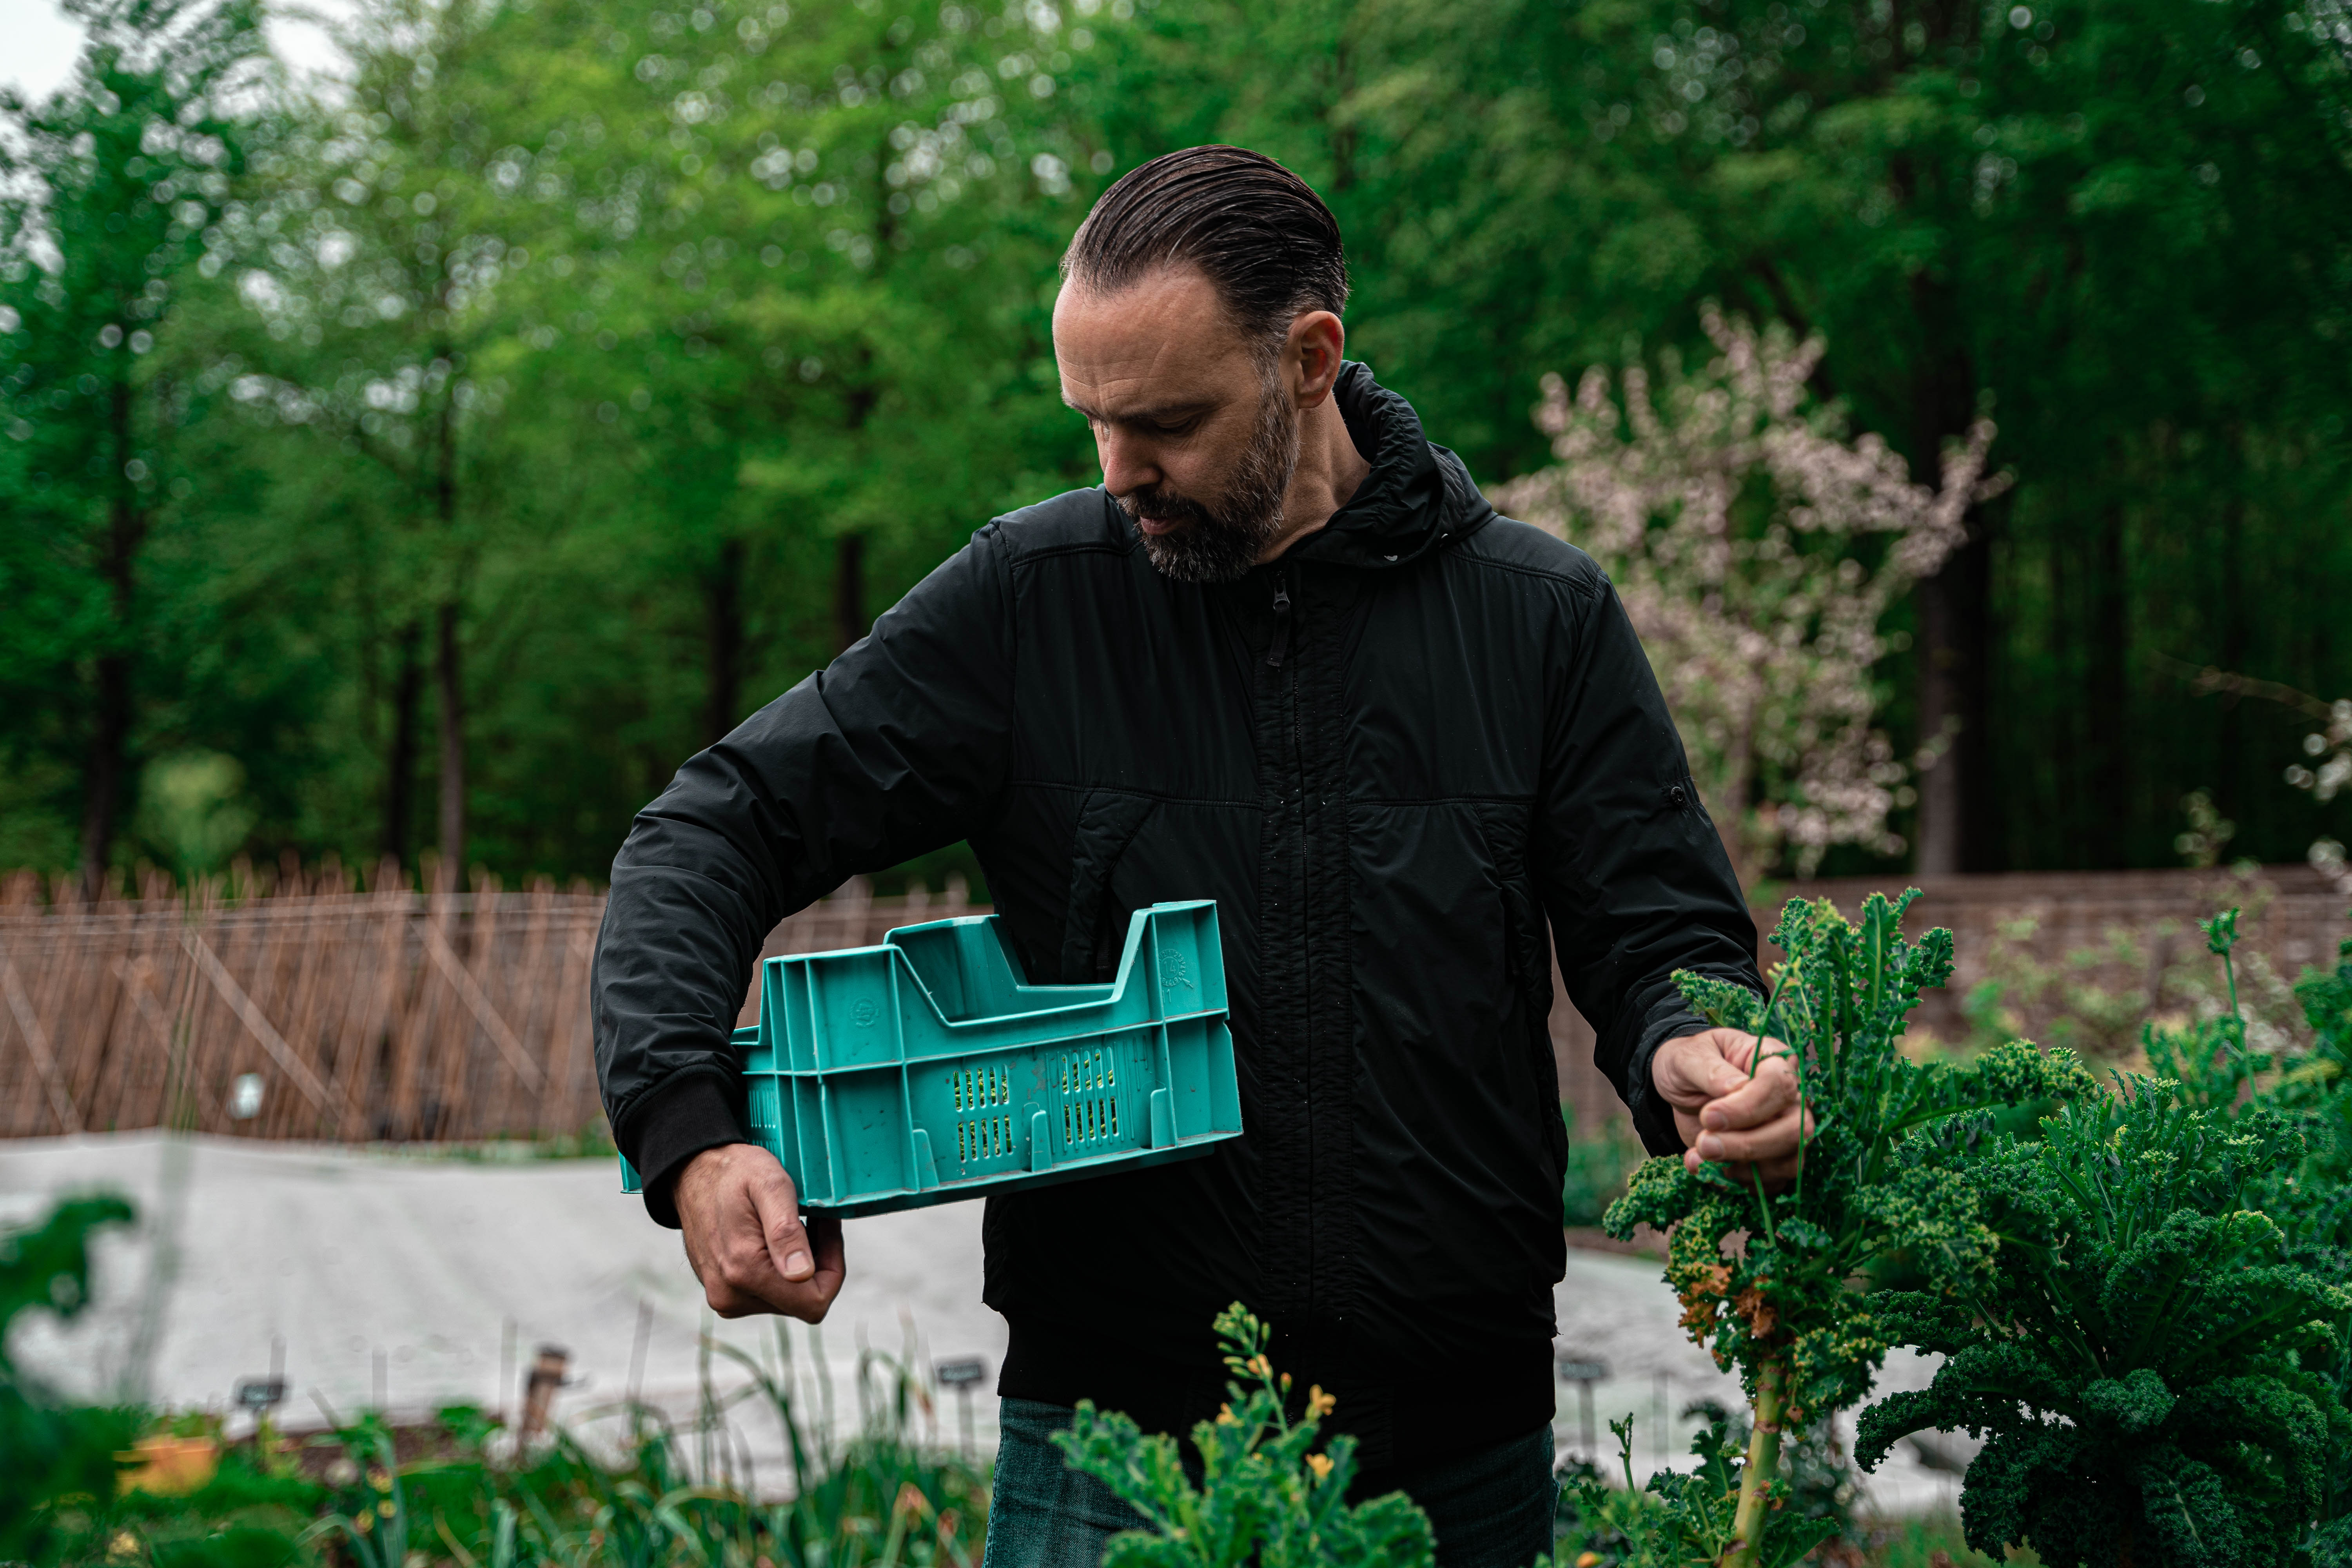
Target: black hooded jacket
(1404,759)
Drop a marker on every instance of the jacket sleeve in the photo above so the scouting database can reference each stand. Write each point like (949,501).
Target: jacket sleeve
(897,747)
(1633,879)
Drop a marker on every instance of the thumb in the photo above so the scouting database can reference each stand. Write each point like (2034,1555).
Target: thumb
(1721,1075)
(780,1221)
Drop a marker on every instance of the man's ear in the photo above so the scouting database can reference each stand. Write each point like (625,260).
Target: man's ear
(1316,344)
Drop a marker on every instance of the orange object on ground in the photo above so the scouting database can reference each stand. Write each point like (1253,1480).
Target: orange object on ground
(169,1465)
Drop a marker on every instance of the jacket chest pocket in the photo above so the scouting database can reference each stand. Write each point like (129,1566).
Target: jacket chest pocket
(1526,958)
(1092,930)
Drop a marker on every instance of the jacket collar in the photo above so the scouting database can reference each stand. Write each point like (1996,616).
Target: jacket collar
(1416,497)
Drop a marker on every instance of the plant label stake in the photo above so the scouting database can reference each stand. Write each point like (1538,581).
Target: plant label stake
(961,1375)
(1584,1375)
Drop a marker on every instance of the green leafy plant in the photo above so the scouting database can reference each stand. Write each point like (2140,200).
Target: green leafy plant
(455,1492)
(2149,1374)
(1272,1494)
(1685,1517)
(53,1459)
(374,1521)
(1679,1517)
(1772,1283)
(2159,1376)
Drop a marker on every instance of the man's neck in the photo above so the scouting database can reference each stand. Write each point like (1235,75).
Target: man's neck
(1328,472)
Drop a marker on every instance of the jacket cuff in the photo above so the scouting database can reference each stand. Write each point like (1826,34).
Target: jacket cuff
(1653,1118)
(677,1119)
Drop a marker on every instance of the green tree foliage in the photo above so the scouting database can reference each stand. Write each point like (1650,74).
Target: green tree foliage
(106,200)
(2074,217)
(1268,1495)
(524,411)
(1783,1307)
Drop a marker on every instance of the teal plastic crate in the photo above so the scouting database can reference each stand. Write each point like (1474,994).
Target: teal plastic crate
(927,1069)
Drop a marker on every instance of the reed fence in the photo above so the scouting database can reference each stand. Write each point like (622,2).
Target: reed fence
(394,1014)
(390,1015)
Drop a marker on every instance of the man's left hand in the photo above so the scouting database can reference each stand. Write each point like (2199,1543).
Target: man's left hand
(1749,1120)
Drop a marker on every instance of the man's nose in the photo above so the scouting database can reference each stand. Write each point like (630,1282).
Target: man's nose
(1128,464)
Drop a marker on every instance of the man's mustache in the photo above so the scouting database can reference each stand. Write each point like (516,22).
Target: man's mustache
(1151,502)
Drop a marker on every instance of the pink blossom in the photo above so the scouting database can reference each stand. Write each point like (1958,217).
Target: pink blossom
(1727,508)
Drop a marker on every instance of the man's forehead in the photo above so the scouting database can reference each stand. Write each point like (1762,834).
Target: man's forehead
(1161,342)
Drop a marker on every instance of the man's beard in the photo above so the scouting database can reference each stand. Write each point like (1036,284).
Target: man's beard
(1219,541)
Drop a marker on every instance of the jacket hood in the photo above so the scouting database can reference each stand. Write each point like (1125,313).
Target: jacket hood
(1416,497)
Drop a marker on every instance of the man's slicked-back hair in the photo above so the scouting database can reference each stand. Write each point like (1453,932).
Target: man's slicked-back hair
(1264,239)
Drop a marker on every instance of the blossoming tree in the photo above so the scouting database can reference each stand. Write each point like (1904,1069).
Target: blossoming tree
(2330,747)
(1756,547)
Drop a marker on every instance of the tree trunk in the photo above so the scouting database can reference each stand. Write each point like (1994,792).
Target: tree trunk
(1955,604)
(723,601)
(109,741)
(2231,775)
(1952,615)
(2106,691)
(849,589)
(400,761)
(448,690)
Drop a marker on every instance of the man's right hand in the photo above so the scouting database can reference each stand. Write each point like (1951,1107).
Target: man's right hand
(745,1239)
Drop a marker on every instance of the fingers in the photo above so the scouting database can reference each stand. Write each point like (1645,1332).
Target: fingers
(1774,1175)
(832,1260)
(1754,1101)
(789,1251)
(1695,1070)
(810,1256)
(1736,1103)
(1776,1140)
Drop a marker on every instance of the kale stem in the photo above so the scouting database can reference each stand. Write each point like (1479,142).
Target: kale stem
(1755,1061)
(1755,1478)
(2229,972)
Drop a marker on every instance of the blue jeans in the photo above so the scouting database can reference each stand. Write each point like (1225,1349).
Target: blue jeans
(1492,1509)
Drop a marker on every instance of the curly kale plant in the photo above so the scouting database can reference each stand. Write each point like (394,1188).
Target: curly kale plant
(1783,1305)
(1269,1496)
(2150,1376)
(1685,1517)
(2156,1353)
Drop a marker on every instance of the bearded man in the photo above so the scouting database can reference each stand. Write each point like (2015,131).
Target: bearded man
(1284,657)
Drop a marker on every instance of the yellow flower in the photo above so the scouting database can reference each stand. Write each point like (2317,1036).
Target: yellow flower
(1320,1464)
(1588,1560)
(1225,1417)
(364,1522)
(1261,1366)
(1320,1403)
(385,1508)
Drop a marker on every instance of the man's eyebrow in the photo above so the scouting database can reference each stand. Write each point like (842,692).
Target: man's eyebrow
(1163,415)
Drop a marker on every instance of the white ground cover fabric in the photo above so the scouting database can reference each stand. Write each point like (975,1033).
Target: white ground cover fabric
(429,1280)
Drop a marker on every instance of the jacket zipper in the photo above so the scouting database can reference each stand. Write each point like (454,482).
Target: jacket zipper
(1277,652)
